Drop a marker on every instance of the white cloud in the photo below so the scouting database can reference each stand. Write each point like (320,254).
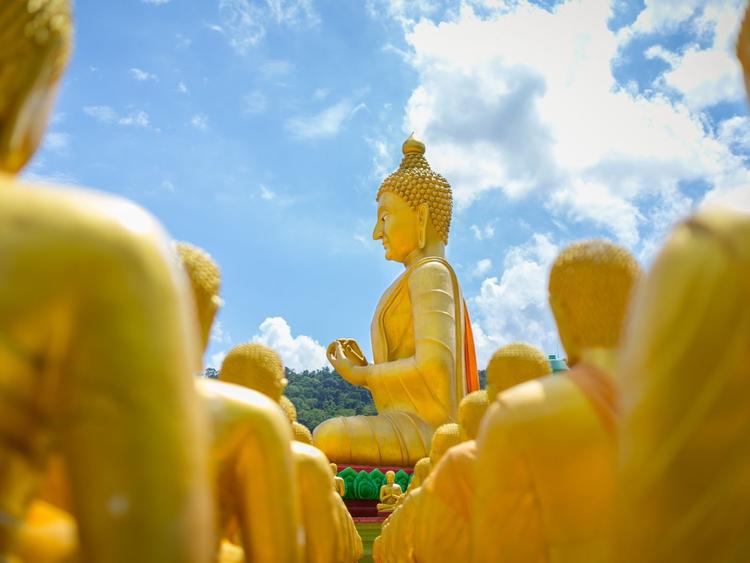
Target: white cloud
(266,193)
(244,22)
(298,353)
(142,75)
(254,102)
(321,93)
(324,124)
(514,307)
(382,159)
(199,121)
(137,118)
(482,233)
(216,360)
(482,267)
(155,2)
(182,88)
(57,142)
(522,99)
(104,114)
(168,186)
(219,335)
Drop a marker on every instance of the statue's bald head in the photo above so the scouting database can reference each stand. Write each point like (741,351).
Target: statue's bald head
(471,409)
(35,36)
(514,364)
(205,281)
(445,437)
(590,288)
(255,366)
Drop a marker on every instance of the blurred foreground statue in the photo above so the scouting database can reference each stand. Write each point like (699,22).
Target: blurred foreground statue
(96,339)
(546,451)
(424,359)
(684,492)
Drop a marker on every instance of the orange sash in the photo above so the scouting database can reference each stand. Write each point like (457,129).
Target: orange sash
(470,355)
(599,388)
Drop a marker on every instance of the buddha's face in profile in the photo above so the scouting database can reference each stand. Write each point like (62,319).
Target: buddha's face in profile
(397,226)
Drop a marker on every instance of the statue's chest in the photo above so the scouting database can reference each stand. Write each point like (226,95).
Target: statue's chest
(393,325)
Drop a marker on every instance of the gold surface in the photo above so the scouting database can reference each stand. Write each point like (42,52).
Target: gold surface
(684,492)
(546,463)
(417,377)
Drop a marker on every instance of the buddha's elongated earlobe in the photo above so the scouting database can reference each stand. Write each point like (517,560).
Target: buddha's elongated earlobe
(423,214)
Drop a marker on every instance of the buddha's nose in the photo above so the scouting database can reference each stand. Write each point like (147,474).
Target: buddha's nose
(377,232)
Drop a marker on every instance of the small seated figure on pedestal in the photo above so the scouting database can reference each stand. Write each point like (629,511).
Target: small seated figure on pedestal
(96,342)
(338,483)
(424,359)
(390,493)
(547,444)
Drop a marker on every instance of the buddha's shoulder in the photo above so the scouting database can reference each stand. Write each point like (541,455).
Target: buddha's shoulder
(536,403)
(432,269)
(228,405)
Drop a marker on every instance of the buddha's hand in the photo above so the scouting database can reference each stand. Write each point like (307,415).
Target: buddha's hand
(346,362)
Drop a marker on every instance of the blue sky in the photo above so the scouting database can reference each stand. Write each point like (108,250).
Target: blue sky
(261,129)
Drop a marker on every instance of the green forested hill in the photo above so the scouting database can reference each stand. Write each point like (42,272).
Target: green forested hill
(322,394)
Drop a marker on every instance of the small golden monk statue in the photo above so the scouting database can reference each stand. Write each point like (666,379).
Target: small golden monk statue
(256,485)
(329,532)
(447,498)
(547,449)
(96,338)
(683,488)
(424,360)
(390,492)
(338,482)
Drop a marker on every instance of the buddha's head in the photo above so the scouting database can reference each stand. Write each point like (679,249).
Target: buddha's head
(255,366)
(471,409)
(35,36)
(390,477)
(591,284)
(290,411)
(445,437)
(205,281)
(414,207)
(301,433)
(514,364)
(334,469)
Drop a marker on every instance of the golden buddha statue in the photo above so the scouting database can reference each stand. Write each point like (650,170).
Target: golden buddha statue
(256,485)
(546,451)
(257,367)
(683,489)
(421,470)
(424,360)
(513,364)
(300,432)
(338,482)
(445,437)
(82,272)
(390,493)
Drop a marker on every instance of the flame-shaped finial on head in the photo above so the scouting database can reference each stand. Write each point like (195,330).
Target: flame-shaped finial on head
(412,145)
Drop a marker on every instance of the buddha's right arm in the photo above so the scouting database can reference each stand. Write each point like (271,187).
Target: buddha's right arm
(95,308)
(427,378)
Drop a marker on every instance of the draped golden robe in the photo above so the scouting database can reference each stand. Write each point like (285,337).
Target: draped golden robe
(420,321)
